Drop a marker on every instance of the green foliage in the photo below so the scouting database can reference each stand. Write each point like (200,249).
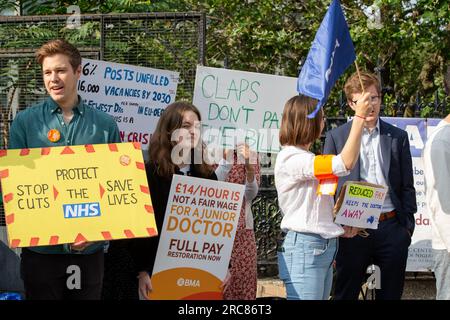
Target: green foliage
(8,4)
(412,47)
(46,7)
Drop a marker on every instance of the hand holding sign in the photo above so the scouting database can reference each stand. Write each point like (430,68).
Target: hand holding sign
(80,246)
(350,232)
(145,285)
(246,156)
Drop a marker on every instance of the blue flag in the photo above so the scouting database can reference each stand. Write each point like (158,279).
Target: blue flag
(331,53)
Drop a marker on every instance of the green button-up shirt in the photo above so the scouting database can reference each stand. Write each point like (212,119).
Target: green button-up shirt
(88,126)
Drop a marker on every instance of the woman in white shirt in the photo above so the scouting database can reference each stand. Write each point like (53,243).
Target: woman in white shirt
(305,185)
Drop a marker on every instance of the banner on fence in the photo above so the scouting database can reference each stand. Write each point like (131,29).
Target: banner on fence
(420,257)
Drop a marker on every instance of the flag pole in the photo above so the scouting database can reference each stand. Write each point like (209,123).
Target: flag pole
(359,76)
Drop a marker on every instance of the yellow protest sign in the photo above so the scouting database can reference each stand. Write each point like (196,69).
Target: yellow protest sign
(75,193)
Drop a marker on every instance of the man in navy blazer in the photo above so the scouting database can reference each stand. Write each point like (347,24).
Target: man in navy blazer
(385,159)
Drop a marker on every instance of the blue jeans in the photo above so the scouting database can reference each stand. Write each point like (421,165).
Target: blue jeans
(305,264)
(442,274)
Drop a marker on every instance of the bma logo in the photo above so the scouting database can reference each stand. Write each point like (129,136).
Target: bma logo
(188,283)
(81,210)
(374,280)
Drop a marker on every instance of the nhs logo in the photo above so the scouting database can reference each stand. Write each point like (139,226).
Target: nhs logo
(81,210)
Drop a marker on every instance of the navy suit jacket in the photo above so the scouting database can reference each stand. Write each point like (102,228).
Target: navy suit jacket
(397,168)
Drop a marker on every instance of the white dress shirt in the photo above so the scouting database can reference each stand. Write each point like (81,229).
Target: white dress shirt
(371,162)
(302,208)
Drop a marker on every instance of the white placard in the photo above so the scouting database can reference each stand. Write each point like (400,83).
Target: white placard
(196,239)
(134,96)
(239,106)
(361,206)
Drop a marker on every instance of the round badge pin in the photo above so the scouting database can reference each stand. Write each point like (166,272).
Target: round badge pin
(125,160)
(53,135)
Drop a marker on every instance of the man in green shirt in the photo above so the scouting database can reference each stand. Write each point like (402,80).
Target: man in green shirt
(62,120)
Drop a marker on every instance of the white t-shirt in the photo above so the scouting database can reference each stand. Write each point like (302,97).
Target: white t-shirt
(302,208)
(436,158)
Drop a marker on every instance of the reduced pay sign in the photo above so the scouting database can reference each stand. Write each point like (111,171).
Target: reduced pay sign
(197,239)
(360,204)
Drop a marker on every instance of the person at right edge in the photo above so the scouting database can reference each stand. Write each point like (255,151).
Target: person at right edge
(436,159)
(384,159)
